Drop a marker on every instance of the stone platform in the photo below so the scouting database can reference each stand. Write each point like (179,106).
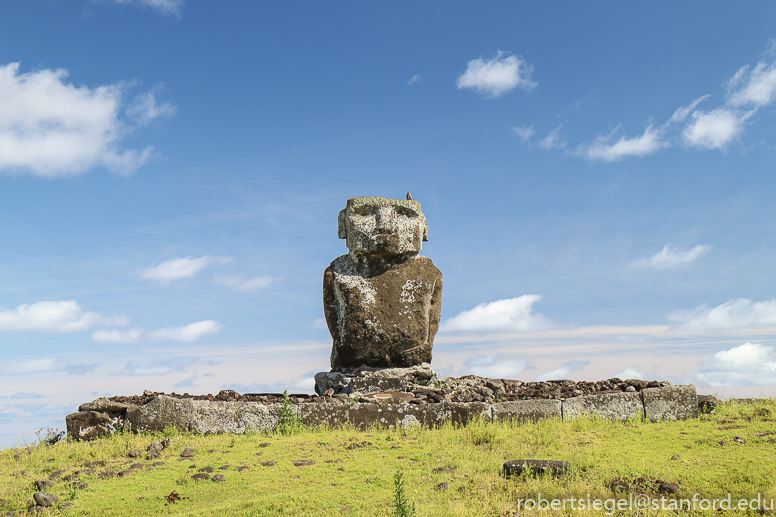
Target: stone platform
(431,405)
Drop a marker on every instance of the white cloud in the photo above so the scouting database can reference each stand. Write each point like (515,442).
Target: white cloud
(552,140)
(185,334)
(246,285)
(51,128)
(24,395)
(513,314)
(562,372)
(670,258)
(715,129)
(163,366)
(632,372)
(59,316)
(648,143)
(750,364)
(490,366)
(180,268)
(758,90)
(524,133)
(504,72)
(186,383)
(164,7)
(43,365)
(731,314)
(414,79)
(145,107)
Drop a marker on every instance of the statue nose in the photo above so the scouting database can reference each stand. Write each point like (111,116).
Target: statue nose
(385,218)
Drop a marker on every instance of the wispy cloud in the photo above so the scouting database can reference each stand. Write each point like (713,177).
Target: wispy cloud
(146,108)
(513,314)
(491,365)
(246,285)
(563,372)
(495,76)
(746,93)
(414,79)
(163,366)
(23,395)
(750,364)
(632,372)
(671,258)
(186,334)
(54,316)
(180,268)
(731,314)
(44,365)
(553,140)
(162,7)
(602,149)
(51,128)
(524,133)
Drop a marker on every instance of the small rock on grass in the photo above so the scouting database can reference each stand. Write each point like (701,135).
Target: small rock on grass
(206,469)
(200,476)
(676,457)
(242,467)
(134,453)
(45,499)
(269,463)
(265,444)
(303,463)
(443,487)
(43,484)
(106,474)
(333,461)
(219,477)
(188,452)
(225,467)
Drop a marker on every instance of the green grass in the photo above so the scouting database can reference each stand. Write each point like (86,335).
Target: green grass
(470,459)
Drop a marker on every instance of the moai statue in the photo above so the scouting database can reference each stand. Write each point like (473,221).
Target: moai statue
(382,300)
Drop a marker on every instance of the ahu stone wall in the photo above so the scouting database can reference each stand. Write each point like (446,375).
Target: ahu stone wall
(104,416)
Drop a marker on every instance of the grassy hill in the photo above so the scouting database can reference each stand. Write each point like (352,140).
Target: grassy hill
(442,472)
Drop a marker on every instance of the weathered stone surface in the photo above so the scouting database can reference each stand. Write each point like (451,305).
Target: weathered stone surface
(45,499)
(614,406)
(372,380)
(44,484)
(527,409)
(161,412)
(707,403)
(516,467)
(104,404)
(90,425)
(234,417)
(396,397)
(671,402)
(362,415)
(155,450)
(382,300)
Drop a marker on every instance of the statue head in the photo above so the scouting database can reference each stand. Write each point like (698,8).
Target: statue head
(383,227)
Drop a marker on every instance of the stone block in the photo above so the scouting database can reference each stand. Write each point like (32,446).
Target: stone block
(161,412)
(671,402)
(233,417)
(530,409)
(90,425)
(104,404)
(362,415)
(611,406)
(517,467)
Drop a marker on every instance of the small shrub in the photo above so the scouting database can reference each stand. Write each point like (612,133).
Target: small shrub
(401,505)
(289,422)
(52,436)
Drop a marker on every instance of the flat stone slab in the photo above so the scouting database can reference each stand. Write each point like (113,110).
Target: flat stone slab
(529,409)
(362,415)
(671,402)
(517,467)
(611,406)
(218,417)
(161,412)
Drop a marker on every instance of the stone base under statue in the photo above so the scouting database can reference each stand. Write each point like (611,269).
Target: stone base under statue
(365,379)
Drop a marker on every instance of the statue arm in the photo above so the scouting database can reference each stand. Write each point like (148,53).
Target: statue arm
(329,301)
(435,312)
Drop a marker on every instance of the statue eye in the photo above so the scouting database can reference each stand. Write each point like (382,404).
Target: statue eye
(407,212)
(363,211)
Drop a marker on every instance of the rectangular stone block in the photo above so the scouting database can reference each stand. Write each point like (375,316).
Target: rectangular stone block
(531,409)
(612,406)
(161,412)
(362,415)
(234,417)
(671,402)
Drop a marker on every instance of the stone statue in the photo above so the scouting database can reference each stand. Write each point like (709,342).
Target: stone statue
(382,300)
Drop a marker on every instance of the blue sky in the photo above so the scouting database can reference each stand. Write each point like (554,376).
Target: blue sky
(598,182)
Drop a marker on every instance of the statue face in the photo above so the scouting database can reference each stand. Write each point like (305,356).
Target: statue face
(382,227)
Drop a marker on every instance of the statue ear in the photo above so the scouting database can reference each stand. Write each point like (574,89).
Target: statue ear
(425,230)
(341,231)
